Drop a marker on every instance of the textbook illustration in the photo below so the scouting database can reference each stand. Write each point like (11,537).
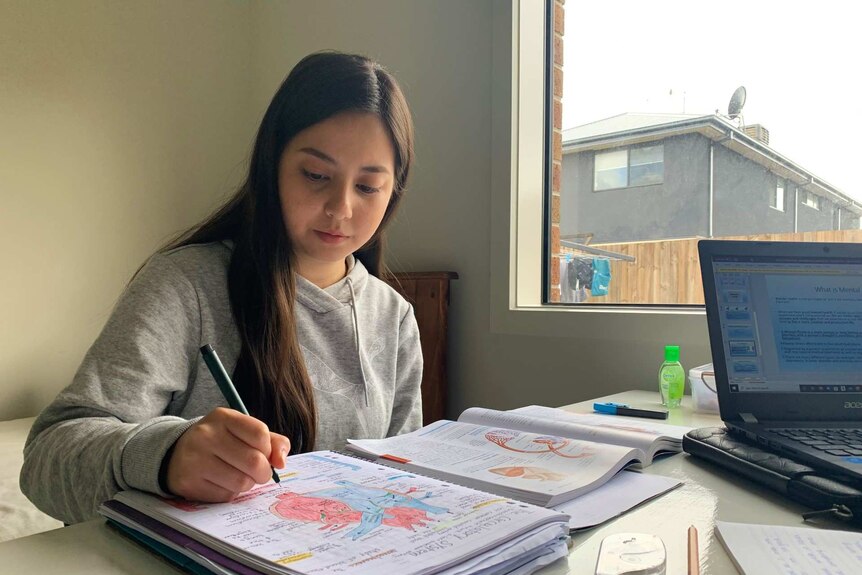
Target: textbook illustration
(536,454)
(334,513)
(543,443)
(348,503)
(539,473)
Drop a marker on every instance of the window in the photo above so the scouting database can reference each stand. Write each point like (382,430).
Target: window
(628,168)
(709,146)
(811,200)
(525,162)
(777,199)
(612,170)
(646,166)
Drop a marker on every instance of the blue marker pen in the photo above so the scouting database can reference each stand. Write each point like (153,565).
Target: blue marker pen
(623,409)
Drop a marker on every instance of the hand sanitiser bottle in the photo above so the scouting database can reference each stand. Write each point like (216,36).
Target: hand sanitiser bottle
(671,377)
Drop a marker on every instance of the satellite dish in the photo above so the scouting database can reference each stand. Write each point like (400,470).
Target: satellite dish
(737,101)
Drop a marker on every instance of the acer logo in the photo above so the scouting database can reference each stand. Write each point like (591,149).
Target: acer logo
(853,405)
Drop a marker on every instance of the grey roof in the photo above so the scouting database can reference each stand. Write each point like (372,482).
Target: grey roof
(624,123)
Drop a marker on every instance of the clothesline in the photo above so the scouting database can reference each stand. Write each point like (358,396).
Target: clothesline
(597,251)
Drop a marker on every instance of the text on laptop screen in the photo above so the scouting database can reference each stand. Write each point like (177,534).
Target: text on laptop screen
(791,324)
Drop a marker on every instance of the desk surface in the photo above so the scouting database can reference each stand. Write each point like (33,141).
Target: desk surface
(92,548)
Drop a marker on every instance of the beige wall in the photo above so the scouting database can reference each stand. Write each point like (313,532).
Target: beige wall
(120,123)
(121,128)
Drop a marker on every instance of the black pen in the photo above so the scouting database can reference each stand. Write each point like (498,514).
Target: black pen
(224,383)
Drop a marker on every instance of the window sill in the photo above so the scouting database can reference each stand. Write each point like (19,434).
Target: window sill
(632,187)
(629,324)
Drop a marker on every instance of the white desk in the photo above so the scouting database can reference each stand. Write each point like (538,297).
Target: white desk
(707,494)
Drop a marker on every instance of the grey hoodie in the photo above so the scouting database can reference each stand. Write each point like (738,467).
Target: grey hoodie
(143,382)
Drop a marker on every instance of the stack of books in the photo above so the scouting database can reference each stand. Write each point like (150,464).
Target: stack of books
(334,513)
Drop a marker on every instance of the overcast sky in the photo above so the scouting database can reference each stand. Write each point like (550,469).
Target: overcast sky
(798,62)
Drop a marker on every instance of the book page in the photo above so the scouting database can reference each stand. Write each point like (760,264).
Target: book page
(607,421)
(646,436)
(778,550)
(497,458)
(332,513)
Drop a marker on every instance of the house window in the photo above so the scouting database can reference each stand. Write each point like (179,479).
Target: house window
(646,166)
(811,200)
(629,168)
(612,170)
(777,199)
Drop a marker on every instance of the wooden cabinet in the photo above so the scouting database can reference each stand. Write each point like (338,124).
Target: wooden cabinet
(429,294)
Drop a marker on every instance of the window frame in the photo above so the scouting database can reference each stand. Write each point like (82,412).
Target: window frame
(519,212)
(640,148)
(628,167)
(816,204)
(622,165)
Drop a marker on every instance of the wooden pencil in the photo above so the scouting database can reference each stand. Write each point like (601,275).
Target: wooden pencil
(693,555)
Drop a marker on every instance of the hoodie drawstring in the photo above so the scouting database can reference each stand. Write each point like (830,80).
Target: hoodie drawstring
(356,339)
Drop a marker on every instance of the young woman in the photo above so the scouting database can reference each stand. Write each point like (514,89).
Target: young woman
(283,282)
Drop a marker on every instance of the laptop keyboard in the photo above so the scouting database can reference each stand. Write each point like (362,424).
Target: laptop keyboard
(831,441)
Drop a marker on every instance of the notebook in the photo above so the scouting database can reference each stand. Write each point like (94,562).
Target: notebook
(785,329)
(779,550)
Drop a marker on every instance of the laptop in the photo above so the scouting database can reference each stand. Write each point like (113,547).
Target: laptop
(785,328)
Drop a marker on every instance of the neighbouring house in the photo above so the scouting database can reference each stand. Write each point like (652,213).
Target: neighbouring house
(641,177)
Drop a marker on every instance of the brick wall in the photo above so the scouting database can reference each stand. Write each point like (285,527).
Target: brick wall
(559,30)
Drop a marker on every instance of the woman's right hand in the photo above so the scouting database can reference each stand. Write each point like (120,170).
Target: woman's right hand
(222,455)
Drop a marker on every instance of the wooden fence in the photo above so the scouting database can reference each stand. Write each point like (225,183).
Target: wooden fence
(668,271)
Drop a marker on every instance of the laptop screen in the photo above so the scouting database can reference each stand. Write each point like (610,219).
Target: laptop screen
(790,324)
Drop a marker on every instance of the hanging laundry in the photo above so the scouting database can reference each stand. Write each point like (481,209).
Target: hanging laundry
(571,272)
(601,276)
(576,279)
(572,289)
(567,289)
(584,272)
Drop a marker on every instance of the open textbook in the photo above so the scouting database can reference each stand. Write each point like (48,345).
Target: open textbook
(539,455)
(333,513)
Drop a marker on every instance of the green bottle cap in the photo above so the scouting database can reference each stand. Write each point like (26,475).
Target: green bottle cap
(671,353)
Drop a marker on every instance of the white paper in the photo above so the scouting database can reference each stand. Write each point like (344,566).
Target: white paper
(624,491)
(778,550)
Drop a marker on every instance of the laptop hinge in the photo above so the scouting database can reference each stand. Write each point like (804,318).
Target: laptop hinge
(748,418)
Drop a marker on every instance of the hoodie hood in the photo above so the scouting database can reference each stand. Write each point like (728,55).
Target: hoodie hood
(338,295)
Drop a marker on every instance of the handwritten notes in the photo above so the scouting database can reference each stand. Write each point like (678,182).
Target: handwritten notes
(777,550)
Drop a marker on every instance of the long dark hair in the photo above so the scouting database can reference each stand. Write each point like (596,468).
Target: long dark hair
(270,373)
